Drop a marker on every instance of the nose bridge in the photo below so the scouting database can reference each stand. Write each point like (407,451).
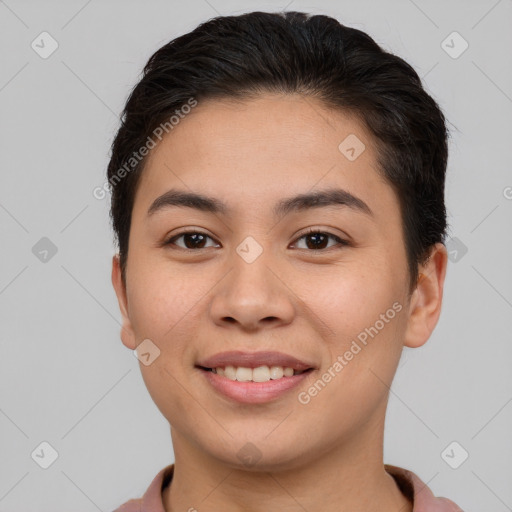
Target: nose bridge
(252,292)
(251,269)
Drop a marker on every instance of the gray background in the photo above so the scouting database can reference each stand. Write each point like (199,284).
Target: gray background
(65,377)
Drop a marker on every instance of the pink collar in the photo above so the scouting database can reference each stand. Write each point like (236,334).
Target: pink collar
(412,487)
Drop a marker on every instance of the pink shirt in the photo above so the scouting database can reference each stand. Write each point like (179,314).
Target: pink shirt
(411,486)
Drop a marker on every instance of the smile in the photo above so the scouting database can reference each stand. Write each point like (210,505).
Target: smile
(260,374)
(225,382)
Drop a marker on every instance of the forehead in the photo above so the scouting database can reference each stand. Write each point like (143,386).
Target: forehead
(248,153)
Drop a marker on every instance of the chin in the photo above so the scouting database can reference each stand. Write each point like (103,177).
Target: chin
(265,456)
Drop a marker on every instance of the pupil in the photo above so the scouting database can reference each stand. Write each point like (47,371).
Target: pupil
(318,240)
(317,237)
(196,237)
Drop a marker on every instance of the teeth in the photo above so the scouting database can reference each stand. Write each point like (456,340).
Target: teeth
(288,372)
(259,374)
(230,372)
(276,372)
(243,374)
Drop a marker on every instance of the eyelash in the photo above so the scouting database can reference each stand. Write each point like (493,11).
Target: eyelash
(312,231)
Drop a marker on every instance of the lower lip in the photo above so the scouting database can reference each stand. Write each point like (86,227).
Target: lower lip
(253,392)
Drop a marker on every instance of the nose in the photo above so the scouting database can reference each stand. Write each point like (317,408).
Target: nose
(252,296)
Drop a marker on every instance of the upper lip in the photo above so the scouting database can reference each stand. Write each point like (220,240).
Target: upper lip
(253,360)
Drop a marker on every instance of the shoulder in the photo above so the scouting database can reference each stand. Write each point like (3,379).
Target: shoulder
(151,501)
(417,491)
(130,506)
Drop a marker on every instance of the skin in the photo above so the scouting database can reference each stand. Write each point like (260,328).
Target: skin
(312,303)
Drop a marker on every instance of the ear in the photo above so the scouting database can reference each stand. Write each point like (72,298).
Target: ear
(127,333)
(426,299)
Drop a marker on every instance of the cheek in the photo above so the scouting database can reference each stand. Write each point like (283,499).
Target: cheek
(362,357)
(364,309)
(160,299)
(353,296)
(164,309)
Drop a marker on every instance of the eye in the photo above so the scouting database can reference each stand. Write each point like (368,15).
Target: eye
(316,240)
(191,239)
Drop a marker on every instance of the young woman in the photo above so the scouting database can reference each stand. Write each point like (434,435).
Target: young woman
(278,199)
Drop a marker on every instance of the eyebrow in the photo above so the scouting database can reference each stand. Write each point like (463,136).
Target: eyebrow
(301,202)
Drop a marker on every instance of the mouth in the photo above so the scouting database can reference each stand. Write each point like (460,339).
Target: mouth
(254,378)
(263,373)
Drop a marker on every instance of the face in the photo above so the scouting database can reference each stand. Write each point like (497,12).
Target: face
(243,273)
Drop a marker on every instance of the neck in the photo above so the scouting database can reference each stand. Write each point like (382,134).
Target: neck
(350,476)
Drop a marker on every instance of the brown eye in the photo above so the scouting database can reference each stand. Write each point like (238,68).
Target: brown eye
(319,240)
(191,240)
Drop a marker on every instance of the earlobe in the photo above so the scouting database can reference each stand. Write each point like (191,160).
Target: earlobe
(426,300)
(127,333)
